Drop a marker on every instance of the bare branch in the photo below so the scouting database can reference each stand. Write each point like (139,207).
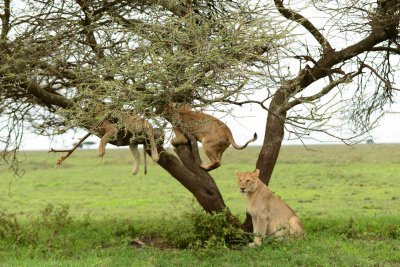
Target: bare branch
(388,85)
(5,20)
(294,16)
(70,151)
(241,103)
(325,90)
(395,50)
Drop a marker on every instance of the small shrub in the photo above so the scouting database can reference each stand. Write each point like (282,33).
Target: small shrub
(10,229)
(350,230)
(123,228)
(392,231)
(53,217)
(199,229)
(40,231)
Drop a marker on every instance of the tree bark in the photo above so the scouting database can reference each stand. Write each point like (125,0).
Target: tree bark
(192,177)
(274,133)
(187,171)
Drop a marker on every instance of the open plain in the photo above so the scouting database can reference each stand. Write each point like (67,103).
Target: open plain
(91,212)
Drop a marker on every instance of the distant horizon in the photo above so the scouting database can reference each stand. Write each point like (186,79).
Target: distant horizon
(112,147)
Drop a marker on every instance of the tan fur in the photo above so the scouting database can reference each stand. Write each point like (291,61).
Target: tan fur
(270,215)
(135,124)
(211,132)
(158,137)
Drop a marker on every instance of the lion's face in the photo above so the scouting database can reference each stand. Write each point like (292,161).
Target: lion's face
(247,182)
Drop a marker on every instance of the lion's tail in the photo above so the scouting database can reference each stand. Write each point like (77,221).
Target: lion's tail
(144,157)
(233,143)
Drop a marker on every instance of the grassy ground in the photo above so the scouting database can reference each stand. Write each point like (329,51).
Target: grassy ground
(89,211)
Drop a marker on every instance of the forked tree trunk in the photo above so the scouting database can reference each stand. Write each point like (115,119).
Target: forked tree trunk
(187,171)
(192,177)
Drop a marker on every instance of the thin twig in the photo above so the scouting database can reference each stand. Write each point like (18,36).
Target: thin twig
(388,85)
(70,151)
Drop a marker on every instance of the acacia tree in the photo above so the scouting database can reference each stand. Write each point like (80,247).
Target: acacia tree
(61,58)
(355,60)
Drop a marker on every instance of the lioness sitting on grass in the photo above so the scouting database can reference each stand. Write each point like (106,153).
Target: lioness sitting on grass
(269,214)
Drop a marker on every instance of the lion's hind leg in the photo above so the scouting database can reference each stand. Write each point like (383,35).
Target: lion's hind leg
(215,160)
(295,226)
(214,153)
(153,146)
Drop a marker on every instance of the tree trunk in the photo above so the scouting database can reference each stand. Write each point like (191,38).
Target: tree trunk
(187,171)
(192,177)
(199,182)
(274,132)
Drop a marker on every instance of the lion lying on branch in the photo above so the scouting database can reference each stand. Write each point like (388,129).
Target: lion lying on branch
(136,131)
(141,131)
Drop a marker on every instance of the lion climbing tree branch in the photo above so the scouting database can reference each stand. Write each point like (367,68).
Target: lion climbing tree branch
(70,151)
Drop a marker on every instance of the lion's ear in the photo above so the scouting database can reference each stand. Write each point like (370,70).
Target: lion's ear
(257,172)
(238,173)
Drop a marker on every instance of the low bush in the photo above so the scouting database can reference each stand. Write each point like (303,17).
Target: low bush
(43,230)
(198,229)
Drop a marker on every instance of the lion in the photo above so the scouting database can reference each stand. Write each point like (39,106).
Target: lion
(133,146)
(211,132)
(270,215)
(137,126)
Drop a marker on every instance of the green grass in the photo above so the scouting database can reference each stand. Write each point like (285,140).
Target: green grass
(347,197)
